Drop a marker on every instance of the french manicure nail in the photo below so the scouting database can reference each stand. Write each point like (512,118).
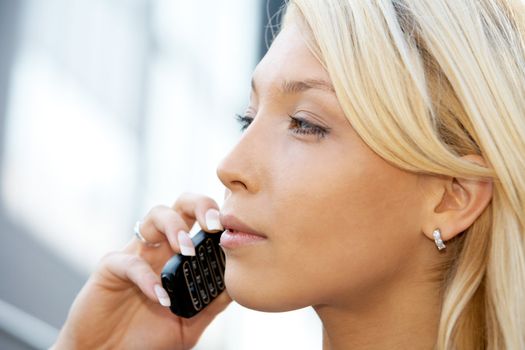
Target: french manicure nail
(185,244)
(163,297)
(212,220)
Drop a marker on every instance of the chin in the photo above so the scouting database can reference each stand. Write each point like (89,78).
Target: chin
(260,294)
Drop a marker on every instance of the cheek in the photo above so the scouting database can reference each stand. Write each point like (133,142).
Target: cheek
(335,232)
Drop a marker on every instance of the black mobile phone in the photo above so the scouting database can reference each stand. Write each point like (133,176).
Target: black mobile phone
(192,282)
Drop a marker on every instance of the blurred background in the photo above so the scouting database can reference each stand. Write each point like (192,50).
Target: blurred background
(107,108)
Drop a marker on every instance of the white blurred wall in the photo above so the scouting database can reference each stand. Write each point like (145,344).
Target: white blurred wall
(116,106)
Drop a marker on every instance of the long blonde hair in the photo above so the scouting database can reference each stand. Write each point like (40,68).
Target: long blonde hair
(424,82)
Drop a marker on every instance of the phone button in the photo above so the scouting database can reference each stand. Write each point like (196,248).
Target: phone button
(215,265)
(190,283)
(206,270)
(199,279)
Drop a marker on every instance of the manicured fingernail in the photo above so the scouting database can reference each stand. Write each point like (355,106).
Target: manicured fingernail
(212,220)
(185,244)
(163,297)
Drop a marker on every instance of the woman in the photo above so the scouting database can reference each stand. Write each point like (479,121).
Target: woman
(382,174)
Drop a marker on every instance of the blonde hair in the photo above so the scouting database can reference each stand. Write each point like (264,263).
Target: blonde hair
(424,82)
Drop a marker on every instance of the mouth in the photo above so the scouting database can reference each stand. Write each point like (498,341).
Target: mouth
(238,234)
(234,225)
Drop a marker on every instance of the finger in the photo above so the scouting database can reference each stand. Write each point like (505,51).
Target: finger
(195,207)
(132,268)
(163,223)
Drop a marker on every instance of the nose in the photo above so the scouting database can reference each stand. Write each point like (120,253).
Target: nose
(240,169)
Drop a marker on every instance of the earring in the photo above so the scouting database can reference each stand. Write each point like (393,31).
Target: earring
(437,238)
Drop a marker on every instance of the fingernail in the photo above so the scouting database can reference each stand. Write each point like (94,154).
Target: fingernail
(212,220)
(185,244)
(163,297)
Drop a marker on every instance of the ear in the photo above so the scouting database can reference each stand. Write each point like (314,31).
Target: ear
(461,202)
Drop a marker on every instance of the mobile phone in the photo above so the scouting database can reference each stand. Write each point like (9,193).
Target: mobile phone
(193,282)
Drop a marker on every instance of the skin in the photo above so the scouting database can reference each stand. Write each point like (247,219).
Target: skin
(118,309)
(346,232)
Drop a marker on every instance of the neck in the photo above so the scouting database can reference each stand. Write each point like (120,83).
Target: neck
(389,320)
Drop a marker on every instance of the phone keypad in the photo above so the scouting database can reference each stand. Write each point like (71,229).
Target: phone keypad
(206,271)
(197,272)
(193,282)
(217,269)
(190,283)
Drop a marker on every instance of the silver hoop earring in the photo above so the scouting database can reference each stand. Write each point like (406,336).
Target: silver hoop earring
(437,238)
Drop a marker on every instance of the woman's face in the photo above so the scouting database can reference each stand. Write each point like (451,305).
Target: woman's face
(338,219)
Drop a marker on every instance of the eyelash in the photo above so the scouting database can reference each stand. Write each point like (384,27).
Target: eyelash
(304,127)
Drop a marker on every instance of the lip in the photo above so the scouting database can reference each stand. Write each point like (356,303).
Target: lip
(237,233)
(231,223)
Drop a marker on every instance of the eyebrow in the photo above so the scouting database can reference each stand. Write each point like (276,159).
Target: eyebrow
(297,86)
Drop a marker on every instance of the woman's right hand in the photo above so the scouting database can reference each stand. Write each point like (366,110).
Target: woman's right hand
(118,307)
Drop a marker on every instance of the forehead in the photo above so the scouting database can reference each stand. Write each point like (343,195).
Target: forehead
(288,59)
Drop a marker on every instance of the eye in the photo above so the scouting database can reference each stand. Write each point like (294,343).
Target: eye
(244,120)
(301,126)
(298,126)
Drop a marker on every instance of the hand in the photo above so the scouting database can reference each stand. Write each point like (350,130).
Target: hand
(118,307)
